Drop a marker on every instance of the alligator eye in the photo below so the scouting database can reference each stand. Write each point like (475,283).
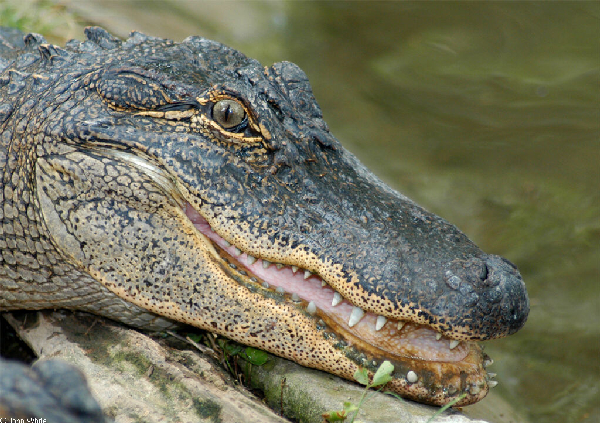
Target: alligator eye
(230,114)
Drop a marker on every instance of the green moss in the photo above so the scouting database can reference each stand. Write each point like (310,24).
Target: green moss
(140,362)
(208,410)
(291,400)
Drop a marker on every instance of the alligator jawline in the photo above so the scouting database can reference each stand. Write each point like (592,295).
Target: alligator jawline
(395,339)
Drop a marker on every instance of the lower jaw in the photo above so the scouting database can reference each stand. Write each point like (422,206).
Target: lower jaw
(426,380)
(437,382)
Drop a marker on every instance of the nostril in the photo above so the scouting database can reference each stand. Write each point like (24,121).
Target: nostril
(476,271)
(483,271)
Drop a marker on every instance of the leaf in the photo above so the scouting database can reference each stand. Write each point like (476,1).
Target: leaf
(197,338)
(334,416)
(382,376)
(362,376)
(230,348)
(256,357)
(350,407)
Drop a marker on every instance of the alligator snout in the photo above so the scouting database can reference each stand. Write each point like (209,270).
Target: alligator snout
(411,265)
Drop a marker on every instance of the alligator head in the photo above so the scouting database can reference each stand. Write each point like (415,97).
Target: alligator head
(199,185)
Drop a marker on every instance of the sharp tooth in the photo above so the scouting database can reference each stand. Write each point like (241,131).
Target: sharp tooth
(307,274)
(411,376)
(454,343)
(311,308)
(251,260)
(266,264)
(355,316)
(279,265)
(487,362)
(295,297)
(237,251)
(401,324)
(280,290)
(380,322)
(438,336)
(492,383)
(337,298)
(323,283)
(227,244)
(491,375)
(265,285)
(294,269)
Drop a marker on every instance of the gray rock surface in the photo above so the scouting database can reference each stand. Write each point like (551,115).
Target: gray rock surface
(304,394)
(136,378)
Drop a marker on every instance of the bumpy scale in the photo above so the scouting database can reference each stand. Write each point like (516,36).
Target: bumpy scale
(150,181)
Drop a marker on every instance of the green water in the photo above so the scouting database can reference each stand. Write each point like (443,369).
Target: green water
(487,113)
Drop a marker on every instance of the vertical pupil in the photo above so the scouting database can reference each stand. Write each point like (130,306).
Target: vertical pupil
(228,113)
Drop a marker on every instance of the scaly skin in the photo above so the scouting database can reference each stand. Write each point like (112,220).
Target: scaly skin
(150,181)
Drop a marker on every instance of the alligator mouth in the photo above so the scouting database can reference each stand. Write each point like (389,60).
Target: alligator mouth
(335,335)
(374,336)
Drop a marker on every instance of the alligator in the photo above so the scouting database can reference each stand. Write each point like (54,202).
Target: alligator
(159,183)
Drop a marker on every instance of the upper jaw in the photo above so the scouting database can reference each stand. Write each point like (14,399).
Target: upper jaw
(380,334)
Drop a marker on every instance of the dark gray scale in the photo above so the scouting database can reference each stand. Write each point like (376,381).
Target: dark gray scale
(106,143)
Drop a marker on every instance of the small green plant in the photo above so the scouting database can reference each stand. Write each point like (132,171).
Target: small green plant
(232,350)
(380,378)
(251,355)
(224,350)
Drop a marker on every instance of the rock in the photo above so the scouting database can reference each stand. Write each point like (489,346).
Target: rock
(50,390)
(134,378)
(304,394)
(137,378)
